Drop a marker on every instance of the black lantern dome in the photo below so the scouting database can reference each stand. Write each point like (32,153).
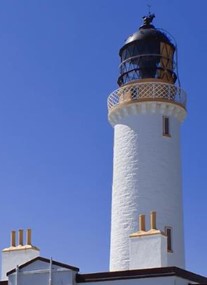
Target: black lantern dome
(147,54)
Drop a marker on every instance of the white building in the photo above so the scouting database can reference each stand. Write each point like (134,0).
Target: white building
(147,244)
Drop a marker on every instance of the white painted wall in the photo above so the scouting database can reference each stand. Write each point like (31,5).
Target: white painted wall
(12,258)
(38,272)
(148,251)
(146,177)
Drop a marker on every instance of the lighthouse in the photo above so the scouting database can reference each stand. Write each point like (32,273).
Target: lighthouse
(146,112)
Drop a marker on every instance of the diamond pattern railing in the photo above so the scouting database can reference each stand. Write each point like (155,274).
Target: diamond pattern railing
(147,90)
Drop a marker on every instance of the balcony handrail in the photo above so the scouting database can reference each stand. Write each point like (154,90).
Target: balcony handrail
(143,91)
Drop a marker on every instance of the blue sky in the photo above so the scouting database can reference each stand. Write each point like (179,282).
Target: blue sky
(58,63)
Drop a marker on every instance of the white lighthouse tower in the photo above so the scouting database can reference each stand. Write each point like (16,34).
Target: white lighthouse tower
(146,112)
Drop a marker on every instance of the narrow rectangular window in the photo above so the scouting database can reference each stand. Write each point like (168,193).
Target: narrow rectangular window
(168,232)
(166,126)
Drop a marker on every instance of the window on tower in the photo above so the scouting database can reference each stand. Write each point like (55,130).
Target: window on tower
(168,232)
(166,126)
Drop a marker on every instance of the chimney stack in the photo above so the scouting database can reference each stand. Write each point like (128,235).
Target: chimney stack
(148,242)
(19,253)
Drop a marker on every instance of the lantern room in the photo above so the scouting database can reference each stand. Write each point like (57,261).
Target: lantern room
(147,54)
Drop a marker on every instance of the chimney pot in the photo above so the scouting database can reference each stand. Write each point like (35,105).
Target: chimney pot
(13,239)
(20,237)
(142,223)
(29,237)
(153,220)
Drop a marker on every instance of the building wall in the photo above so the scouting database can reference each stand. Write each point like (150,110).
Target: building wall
(12,258)
(39,273)
(148,251)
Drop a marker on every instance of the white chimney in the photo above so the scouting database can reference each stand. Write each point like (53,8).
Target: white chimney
(18,254)
(148,249)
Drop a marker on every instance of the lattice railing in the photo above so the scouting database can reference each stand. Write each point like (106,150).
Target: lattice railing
(147,90)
